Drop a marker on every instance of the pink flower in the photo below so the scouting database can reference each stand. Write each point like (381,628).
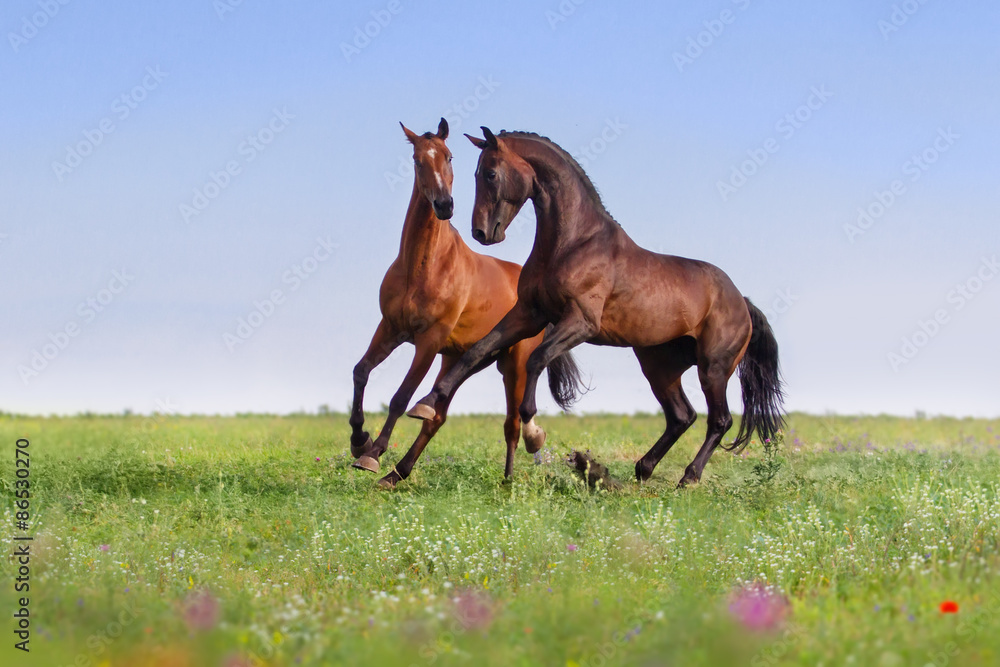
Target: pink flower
(201,611)
(571,547)
(758,609)
(105,547)
(474,610)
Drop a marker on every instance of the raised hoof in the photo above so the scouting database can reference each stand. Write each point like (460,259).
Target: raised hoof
(366,462)
(534,437)
(357,452)
(387,483)
(422,411)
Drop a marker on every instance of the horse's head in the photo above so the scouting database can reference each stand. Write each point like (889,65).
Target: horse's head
(432,166)
(503,183)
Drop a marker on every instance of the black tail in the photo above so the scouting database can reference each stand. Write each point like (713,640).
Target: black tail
(761,384)
(565,382)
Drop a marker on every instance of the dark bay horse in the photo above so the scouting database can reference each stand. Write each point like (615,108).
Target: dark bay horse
(586,277)
(442,297)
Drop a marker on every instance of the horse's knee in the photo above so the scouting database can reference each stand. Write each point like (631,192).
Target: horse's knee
(361,373)
(398,403)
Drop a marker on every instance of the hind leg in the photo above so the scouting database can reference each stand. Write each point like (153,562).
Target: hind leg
(430,427)
(663,366)
(714,371)
(713,382)
(515,378)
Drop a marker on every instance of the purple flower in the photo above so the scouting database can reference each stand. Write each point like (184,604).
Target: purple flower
(758,609)
(571,547)
(474,610)
(105,547)
(201,611)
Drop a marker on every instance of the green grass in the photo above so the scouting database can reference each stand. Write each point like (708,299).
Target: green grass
(866,526)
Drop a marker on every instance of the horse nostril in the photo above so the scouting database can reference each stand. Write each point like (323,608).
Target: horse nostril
(479,235)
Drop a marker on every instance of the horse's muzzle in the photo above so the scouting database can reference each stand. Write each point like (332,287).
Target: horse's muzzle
(444,208)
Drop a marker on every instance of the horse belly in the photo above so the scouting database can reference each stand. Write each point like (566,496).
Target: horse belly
(653,322)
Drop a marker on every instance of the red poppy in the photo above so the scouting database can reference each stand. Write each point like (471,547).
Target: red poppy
(948,607)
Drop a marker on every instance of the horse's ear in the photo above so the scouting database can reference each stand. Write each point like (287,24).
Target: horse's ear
(477,142)
(490,139)
(443,129)
(410,134)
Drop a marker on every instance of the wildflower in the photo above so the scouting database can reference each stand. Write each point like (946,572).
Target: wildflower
(201,611)
(757,608)
(473,610)
(105,547)
(948,607)
(571,547)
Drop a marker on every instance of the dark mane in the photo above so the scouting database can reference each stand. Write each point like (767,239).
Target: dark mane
(588,185)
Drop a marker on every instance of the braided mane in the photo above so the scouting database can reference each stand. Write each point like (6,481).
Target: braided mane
(588,185)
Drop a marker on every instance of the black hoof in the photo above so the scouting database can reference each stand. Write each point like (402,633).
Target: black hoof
(687,480)
(642,473)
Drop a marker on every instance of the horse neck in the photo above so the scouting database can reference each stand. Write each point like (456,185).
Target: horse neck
(423,234)
(564,216)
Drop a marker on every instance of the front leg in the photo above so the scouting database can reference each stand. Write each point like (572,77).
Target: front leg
(574,328)
(383,343)
(428,345)
(516,325)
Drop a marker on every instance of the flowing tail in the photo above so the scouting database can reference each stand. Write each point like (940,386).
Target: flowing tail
(565,381)
(761,384)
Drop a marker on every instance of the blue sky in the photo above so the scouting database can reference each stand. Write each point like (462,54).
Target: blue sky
(748,134)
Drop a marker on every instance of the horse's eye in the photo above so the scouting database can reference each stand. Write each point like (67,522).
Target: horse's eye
(449,158)
(491,175)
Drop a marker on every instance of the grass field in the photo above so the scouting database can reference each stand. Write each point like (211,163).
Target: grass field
(248,541)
